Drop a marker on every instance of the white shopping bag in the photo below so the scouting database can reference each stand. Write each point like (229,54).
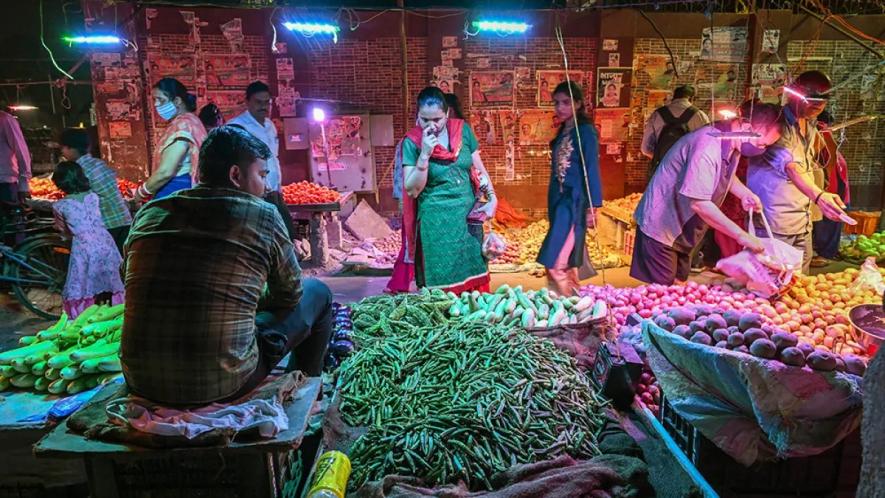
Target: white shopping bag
(767,274)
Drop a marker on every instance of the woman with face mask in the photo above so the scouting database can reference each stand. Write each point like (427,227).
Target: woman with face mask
(575,184)
(176,153)
(439,155)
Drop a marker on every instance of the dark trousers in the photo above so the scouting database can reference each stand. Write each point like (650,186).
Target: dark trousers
(276,199)
(119,234)
(825,238)
(305,332)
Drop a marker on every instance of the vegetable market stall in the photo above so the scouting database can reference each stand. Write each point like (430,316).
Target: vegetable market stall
(316,208)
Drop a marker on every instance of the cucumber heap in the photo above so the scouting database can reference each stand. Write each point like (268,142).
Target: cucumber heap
(68,357)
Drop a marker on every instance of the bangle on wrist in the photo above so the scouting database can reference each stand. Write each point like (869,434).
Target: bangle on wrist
(818,197)
(143,190)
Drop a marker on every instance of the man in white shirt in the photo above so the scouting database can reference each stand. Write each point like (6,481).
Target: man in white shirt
(256,120)
(669,123)
(15,162)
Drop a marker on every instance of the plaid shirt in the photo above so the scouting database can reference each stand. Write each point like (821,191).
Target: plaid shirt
(196,267)
(103,181)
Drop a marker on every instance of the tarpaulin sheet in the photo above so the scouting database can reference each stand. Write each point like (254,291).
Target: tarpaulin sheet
(751,408)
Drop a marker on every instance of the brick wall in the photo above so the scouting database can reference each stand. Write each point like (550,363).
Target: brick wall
(863,145)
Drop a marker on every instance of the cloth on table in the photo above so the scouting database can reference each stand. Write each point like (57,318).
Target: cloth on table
(120,417)
(751,408)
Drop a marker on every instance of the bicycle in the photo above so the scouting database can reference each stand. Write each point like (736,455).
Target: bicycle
(36,268)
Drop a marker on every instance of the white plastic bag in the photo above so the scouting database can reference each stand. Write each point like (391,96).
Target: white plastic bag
(769,273)
(493,246)
(869,277)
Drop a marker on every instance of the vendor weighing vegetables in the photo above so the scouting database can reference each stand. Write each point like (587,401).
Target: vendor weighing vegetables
(214,291)
(683,198)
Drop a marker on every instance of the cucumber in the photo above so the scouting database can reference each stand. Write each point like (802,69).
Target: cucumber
(528,319)
(94,365)
(504,289)
(38,368)
(476,315)
(4,383)
(7,371)
(58,386)
(27,340)
(52,373)
(61,359)
(455,310)
(41,384)
(583,304)
(38,347)
(81,320)
(107,314)
(71,372)
(97,350)
(76,386)
(101,329)
(41,356)
(24,380)
(20,366)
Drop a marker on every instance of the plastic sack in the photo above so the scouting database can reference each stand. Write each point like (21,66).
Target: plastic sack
(869,277)
(493,246)
(767,274)
(753,409)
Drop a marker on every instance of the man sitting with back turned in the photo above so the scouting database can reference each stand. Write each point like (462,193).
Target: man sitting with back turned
(214,296)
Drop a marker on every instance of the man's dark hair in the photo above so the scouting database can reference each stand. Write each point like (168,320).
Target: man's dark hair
(69,178)
(224,147)
(683,92)
(762,114)
(75,138)
(256,87)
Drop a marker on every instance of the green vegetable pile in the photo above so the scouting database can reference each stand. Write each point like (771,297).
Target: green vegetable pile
(865,247)
(459,400)
(68,357)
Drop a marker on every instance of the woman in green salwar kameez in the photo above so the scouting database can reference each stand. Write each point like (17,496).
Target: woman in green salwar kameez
(437,158)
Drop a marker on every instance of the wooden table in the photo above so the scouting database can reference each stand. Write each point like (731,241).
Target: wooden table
(240,469)
(320,216)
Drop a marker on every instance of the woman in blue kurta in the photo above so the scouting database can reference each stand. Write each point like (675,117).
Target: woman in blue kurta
(575,170)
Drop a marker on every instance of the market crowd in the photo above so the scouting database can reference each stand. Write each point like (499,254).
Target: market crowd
(213,290)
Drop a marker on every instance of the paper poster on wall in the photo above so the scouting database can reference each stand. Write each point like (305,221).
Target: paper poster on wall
(659,70)
(287,102)
(613,124)
(230,102)
(102,59)
(109,87)
(227,71)
(342,139)
(451,54)
(536,127)
(523,76)
(726,82)
(507,120)
(771,41)
(769,74)
(483,63)
(724,43)
(612,87)
(285,68)
(119,129)
(491,88)
(180,67)
(233,33)
(446,73)
(614,59)
(547,81)
(446,86)
(509,161)
(656,99)
(121,110)
(485,126)
(449,41)
(609,45)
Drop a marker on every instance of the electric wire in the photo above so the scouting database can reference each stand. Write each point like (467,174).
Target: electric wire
(43,42)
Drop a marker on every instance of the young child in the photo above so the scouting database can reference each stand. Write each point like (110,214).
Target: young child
(94,267)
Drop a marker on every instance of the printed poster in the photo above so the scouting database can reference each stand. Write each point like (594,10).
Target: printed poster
(547,81)
(771,41)
(233,33)
(523,76)
(483,63)
(726,84)
(227,71)
(285,68)
(609,45)
(507,120)
(509,162)
(613,124)
(229,102)
(180,67)
(491,89)
(446,86)
(485,126)
(103,59)
(656,99)
(536,127)
(287,101)
(119,129)
(342,139)
(121,110)
(613,85)
(724,44)
(659,70)
(614,59)
(769,74)
(449,41)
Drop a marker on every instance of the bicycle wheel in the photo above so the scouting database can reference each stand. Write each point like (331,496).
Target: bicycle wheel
(38,270)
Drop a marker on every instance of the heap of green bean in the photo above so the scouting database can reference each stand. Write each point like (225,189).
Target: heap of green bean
(463,400)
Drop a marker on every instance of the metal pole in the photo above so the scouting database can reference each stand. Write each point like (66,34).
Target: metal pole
(405,62)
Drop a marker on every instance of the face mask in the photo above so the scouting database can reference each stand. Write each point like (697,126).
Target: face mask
(166,111)
(750,150)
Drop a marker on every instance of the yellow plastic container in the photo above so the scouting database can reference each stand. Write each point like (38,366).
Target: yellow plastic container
(330,476)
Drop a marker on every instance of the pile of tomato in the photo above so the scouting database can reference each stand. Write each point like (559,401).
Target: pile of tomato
(43,188)
(309,193)
(127,188)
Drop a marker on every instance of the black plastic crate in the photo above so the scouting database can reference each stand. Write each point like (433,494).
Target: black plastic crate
(833,473)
